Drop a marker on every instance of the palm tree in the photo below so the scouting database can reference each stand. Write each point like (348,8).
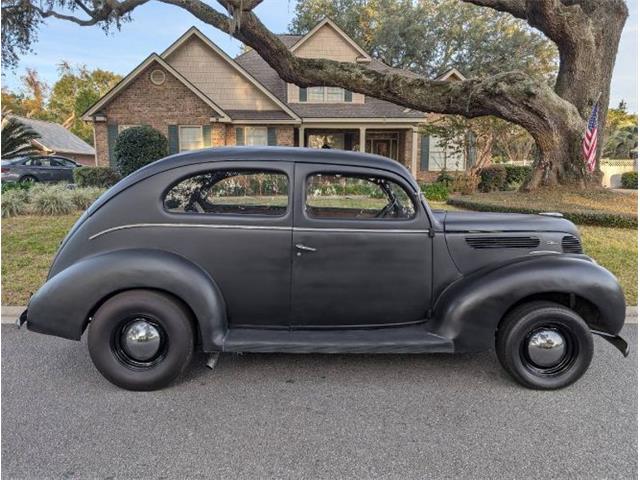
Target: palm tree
(16,138)
(622,142)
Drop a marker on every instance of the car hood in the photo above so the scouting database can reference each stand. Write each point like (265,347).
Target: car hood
(505,222)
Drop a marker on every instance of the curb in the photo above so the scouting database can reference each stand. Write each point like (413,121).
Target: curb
(11,313)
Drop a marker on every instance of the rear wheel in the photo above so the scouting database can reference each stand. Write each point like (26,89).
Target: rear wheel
(141,339)
(28,179)
(544,345)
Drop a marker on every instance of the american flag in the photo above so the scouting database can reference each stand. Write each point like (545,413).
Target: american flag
(590,142)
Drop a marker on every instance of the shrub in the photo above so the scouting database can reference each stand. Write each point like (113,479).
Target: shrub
(82,198)
(516,175)
(445,177)
(630,180)
(102,177)
(138,146)
(492,178)
(436,192)
(14,202)
(51,200)
(466,184)
(9,186)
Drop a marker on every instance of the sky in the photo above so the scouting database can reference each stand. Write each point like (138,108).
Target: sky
(156,25)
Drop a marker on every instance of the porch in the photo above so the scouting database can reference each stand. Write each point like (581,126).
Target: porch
(400,143)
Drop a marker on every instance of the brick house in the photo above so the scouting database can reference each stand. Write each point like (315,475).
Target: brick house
(199,97)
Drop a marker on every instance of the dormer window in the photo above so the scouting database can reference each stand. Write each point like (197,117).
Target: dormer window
(325,95)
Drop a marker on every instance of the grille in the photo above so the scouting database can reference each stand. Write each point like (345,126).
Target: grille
(502,242)
(571,244)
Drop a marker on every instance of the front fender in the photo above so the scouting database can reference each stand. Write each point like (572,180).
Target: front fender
(62,306)
(469,310)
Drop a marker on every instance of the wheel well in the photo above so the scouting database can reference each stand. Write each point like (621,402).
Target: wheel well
(192,315)
(583,307)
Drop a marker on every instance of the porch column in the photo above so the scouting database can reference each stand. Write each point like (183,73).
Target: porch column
(363,136)
(414,152)
(301,136)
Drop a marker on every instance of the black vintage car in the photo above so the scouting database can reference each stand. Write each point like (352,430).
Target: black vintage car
(299,250)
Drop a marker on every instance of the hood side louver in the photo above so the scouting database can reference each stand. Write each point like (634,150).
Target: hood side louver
(571,244)
(502,242)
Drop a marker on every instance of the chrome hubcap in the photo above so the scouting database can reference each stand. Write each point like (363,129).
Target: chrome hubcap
(140,340)
(546,347)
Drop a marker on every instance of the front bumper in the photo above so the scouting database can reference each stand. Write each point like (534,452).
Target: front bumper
(615,340)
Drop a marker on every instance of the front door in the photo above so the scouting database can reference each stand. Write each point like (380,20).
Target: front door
(362,253)
(382,147)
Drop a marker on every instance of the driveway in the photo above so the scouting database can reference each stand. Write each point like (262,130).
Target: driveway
(314,416)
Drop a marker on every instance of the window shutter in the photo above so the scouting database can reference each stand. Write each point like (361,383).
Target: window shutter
(272,138)
(112,135)
(239,136)
(173,139)
(206,136)
(424,152)
(303,94)
(348,96)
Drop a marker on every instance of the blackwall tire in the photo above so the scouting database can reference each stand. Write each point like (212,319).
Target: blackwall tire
(169,334)
(536,329)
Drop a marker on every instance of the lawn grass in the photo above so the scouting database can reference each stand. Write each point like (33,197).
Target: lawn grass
(29,244)
(589,207)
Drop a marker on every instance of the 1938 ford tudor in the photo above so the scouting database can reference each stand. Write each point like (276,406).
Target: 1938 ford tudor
(300,250)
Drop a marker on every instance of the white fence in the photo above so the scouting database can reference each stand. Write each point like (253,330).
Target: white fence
(613,169)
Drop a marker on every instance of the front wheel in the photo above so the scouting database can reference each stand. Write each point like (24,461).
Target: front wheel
(544,345)
(141,339)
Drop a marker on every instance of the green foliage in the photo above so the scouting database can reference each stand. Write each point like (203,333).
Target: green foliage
(138,146)
(436,192)
(103,177)
(622,142)
(492,178)
(516,175)
(432,36)
(51,200)
(630,180)
(16,139)
(445,178)
(82,198)
(10,186)
(14,202)
(464,183)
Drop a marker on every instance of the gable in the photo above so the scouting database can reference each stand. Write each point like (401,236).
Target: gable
(326,40)
(216,77)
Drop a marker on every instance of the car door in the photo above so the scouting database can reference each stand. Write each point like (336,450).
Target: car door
(62,169)
(354,264)
(243,215)
(38,167)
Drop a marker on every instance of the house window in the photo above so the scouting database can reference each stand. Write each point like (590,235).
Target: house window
(231,192)
(191,138)
(122,128)
(325,95)
(445,155)
(256,136)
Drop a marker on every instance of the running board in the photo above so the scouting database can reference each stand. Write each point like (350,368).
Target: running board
(407,339)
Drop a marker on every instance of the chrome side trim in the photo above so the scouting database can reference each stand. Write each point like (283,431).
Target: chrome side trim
(252,227)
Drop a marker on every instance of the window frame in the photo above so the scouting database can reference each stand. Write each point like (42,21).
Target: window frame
(257,127)
(246,216)
(325,96)
(363,175)
(180,127)
(125,126)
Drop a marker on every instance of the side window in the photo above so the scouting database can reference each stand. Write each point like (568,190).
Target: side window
(231,192)
(356,197)
(55,162)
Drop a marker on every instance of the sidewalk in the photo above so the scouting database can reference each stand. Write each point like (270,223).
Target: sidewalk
(11,314)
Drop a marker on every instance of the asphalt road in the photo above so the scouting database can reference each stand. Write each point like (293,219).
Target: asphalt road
(314,416)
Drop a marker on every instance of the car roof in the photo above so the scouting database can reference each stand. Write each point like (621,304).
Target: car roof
(273,154)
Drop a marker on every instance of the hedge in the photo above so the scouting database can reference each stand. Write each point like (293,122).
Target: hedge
(516,175)
(436,192)
(138,146)
(492,178)
(584,217)
(630,180)
(100,177)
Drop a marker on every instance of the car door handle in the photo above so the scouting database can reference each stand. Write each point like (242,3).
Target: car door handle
(304,248)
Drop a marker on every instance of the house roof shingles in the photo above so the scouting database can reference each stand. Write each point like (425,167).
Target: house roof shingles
(56,138)
(371,108)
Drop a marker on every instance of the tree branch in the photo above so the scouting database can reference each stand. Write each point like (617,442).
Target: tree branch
(517,8)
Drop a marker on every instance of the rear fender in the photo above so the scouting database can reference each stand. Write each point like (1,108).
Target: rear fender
(62,306)
(469,310)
